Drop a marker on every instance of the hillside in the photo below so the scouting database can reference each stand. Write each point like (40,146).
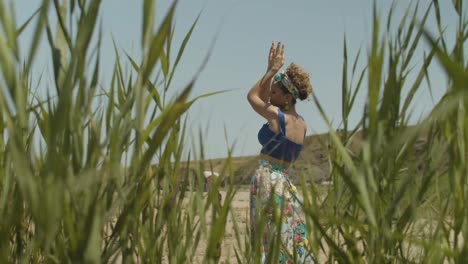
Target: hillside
(313,158)
(313,161)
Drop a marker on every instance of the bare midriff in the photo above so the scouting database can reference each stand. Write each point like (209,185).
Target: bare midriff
(275,160)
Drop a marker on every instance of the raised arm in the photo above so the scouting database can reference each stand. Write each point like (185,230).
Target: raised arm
(258,95)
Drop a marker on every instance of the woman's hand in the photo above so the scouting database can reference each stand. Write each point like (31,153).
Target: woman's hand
(276,57)
(258,95)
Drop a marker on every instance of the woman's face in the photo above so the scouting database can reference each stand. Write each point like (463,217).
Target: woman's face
(277,96)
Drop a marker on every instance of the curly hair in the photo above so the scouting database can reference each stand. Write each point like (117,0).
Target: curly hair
(300,79)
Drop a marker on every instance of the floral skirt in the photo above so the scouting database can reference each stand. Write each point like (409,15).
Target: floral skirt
(271,192)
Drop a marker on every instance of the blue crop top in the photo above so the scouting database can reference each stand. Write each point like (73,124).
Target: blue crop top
(277,145)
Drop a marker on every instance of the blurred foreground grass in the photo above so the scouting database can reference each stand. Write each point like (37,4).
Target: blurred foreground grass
(78,183)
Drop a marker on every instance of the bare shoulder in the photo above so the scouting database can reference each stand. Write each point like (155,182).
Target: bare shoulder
(296,119)
(302,122)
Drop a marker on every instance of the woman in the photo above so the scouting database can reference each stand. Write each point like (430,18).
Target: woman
(273,201)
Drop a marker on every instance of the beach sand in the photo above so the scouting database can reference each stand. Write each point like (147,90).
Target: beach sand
(239,212)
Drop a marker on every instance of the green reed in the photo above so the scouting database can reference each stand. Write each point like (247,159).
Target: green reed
(396,201)
(78,182)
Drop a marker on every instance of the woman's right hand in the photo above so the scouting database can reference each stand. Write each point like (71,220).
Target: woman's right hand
(276,57)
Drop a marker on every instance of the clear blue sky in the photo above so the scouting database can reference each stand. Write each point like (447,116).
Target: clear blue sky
(312,30)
